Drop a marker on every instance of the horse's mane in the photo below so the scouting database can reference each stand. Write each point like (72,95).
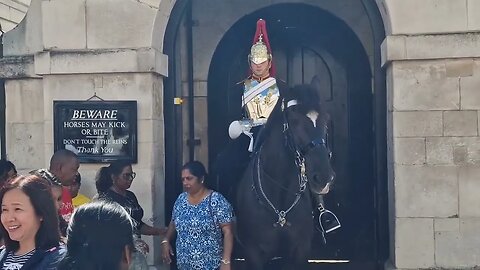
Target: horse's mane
(306,96)
(307,99)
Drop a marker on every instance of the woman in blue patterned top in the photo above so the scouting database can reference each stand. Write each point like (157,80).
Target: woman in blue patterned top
(202,220)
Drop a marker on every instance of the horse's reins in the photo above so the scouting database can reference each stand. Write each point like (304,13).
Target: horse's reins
(299,163)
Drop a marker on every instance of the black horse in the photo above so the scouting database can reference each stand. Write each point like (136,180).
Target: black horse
(273,205)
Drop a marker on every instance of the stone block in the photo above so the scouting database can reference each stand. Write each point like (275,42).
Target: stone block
(25,145)
(13,67)
(459,250)
(473,18)
(469,186)
(123,86)
(426,191)
(7,25)
(158,98)
(16,15)
(424,86)
(414,243)
(4,11)
(42,63)
(159,136)
(119,24)
(439,151)
(16,4)
(393,48)
(25,101)
(456,150)
(425,18)
(48,132)
(460,123)
(152,3)
(66,87)
(446,224)
(145,131)
(64,25)
(470,93)
(459,68)
(417,124)
(409,151)
(101,61)
(446,46)
(201,88)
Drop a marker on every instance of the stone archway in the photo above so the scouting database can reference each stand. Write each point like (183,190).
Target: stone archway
(205,45)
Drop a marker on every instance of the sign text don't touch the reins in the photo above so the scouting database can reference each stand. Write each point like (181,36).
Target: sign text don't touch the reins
(98,131)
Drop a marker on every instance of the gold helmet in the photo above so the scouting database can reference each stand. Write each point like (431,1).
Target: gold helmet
(260,50)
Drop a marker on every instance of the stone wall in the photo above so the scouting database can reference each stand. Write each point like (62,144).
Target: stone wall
(434,109)
(71,49)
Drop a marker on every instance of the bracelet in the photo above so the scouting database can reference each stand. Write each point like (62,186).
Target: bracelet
(224,261)
(163,242)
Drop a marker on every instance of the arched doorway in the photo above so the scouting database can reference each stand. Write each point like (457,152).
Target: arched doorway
(312,45)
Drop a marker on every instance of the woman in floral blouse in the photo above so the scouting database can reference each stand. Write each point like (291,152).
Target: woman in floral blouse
(202,220)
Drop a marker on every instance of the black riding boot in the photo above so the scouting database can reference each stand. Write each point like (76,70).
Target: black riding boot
(325,220)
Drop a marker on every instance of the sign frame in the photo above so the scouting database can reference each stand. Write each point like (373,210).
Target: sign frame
(64,115)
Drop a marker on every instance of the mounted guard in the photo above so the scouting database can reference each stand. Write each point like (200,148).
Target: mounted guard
(261,92)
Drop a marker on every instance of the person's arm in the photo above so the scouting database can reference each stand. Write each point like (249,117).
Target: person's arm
(227,245)
(146,229)
(167,251)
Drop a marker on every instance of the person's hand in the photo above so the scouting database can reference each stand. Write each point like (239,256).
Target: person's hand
(141,246)
(167,252)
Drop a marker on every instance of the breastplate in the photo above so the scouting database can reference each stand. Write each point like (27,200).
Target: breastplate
(263,103)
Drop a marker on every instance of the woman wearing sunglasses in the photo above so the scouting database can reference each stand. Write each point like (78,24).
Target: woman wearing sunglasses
(112,184)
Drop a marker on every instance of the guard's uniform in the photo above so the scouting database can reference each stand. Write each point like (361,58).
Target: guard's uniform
(258,99)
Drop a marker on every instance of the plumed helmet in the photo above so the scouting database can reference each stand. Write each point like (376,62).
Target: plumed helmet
(260,50)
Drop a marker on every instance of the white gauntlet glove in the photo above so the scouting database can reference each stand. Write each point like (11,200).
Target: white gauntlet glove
(236,128)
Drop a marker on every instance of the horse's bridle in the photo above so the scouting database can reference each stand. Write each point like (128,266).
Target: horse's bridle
(300,153)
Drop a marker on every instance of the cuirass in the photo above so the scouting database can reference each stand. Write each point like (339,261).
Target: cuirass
(263,103)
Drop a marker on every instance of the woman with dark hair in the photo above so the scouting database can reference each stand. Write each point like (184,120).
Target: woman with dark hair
(100,237)
(29,222)
(202,220)
(7,171)
(112,184)
(57,191)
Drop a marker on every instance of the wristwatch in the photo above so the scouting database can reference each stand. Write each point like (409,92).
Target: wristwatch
(224,261)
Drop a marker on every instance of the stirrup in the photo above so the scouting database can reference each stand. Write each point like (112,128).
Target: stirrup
(327,220)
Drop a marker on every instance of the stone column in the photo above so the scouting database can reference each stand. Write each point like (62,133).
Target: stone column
(71,50)
(434,107)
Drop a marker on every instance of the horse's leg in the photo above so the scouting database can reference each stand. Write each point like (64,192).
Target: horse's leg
(255,259)
(298,258)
